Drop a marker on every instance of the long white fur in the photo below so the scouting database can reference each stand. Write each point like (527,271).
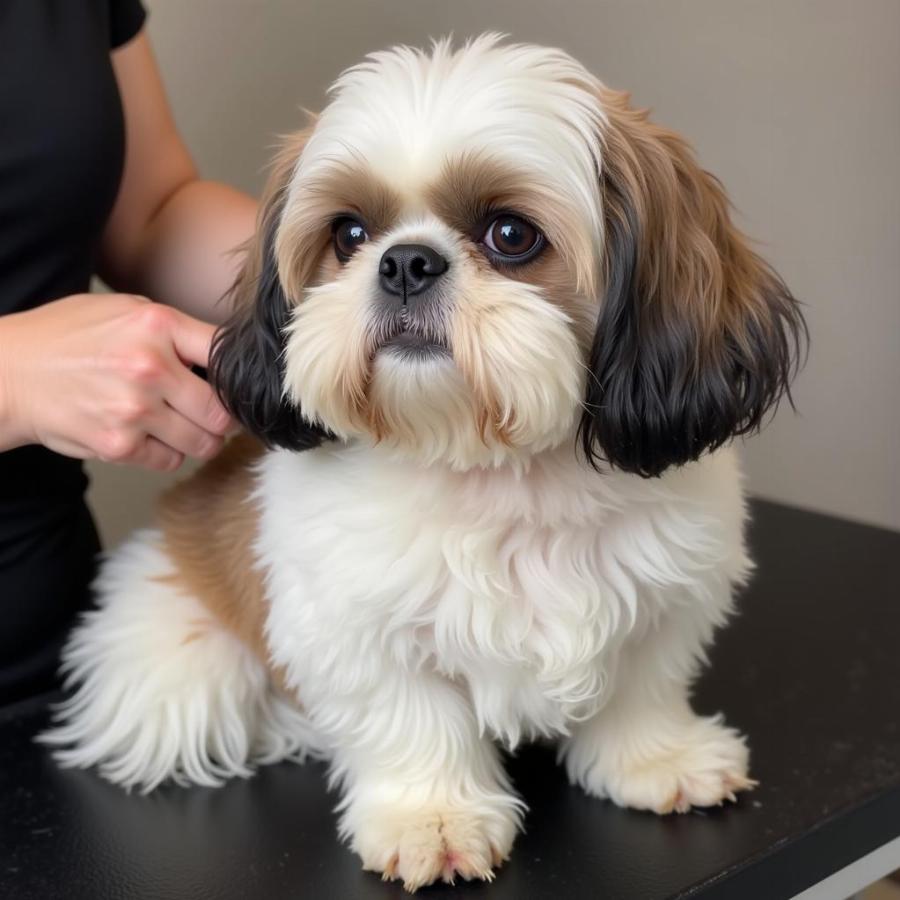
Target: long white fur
(164,692)
(521,341)
(436,594)
(405,112)
(420,614)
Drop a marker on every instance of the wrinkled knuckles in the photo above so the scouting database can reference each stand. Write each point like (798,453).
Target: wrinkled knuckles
(152,318)
(133,411)
(117,444)
(143,367)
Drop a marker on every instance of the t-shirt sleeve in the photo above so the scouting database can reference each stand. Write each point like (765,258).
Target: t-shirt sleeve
(125,20)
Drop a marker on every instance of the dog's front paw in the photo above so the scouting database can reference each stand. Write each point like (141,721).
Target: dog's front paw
(419,847)
(701,763)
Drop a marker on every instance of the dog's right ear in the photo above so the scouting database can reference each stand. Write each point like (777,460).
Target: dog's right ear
(246,360)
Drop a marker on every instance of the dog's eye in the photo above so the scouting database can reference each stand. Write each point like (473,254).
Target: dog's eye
(349,235)
(512,239)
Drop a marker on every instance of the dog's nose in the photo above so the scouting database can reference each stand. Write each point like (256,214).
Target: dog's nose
(409,269)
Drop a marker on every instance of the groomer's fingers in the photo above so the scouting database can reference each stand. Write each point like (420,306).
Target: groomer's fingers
(191,338)
(151,453)
(181,434)
(194,399)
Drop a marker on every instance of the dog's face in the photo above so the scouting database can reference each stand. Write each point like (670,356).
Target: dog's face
(473,256)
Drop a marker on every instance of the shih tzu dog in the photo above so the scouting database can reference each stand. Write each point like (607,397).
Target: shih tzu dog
(511,327)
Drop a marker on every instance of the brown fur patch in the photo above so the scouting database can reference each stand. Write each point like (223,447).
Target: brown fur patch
(559,285)
(698,338)
(304,236)
(303,244)
(473,187)
(209,523)
(243,292)
(360,192)
(692,261)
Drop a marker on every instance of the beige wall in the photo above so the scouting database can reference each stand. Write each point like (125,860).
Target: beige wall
(793,103)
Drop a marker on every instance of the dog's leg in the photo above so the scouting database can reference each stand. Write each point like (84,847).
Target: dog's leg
(162,689)
(424,794)
(646,748)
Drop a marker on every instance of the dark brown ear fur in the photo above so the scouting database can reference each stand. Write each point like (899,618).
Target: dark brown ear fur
(697,336)
(246,359)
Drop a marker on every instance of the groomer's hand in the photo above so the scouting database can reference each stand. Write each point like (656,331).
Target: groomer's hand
(108,376)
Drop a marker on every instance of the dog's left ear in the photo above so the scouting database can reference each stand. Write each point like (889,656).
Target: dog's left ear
(246,365)
(697,336)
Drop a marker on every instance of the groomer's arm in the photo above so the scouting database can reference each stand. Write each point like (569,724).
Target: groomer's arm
(171,236)
(107,375)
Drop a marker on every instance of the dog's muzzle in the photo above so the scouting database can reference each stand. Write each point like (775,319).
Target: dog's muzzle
(411,320)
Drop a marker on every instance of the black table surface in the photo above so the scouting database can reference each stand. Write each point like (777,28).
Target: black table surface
(810,670)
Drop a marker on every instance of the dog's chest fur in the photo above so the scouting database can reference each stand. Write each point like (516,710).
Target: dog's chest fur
(523,588)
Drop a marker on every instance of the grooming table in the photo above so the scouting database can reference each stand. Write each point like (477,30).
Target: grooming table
(810,670)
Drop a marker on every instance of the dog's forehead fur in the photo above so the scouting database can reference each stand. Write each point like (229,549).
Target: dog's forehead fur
(403,116)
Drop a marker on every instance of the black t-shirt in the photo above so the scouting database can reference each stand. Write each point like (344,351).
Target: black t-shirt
(62,147)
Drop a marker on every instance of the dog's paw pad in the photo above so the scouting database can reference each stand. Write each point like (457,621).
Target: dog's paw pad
(700,772)
(438,846)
